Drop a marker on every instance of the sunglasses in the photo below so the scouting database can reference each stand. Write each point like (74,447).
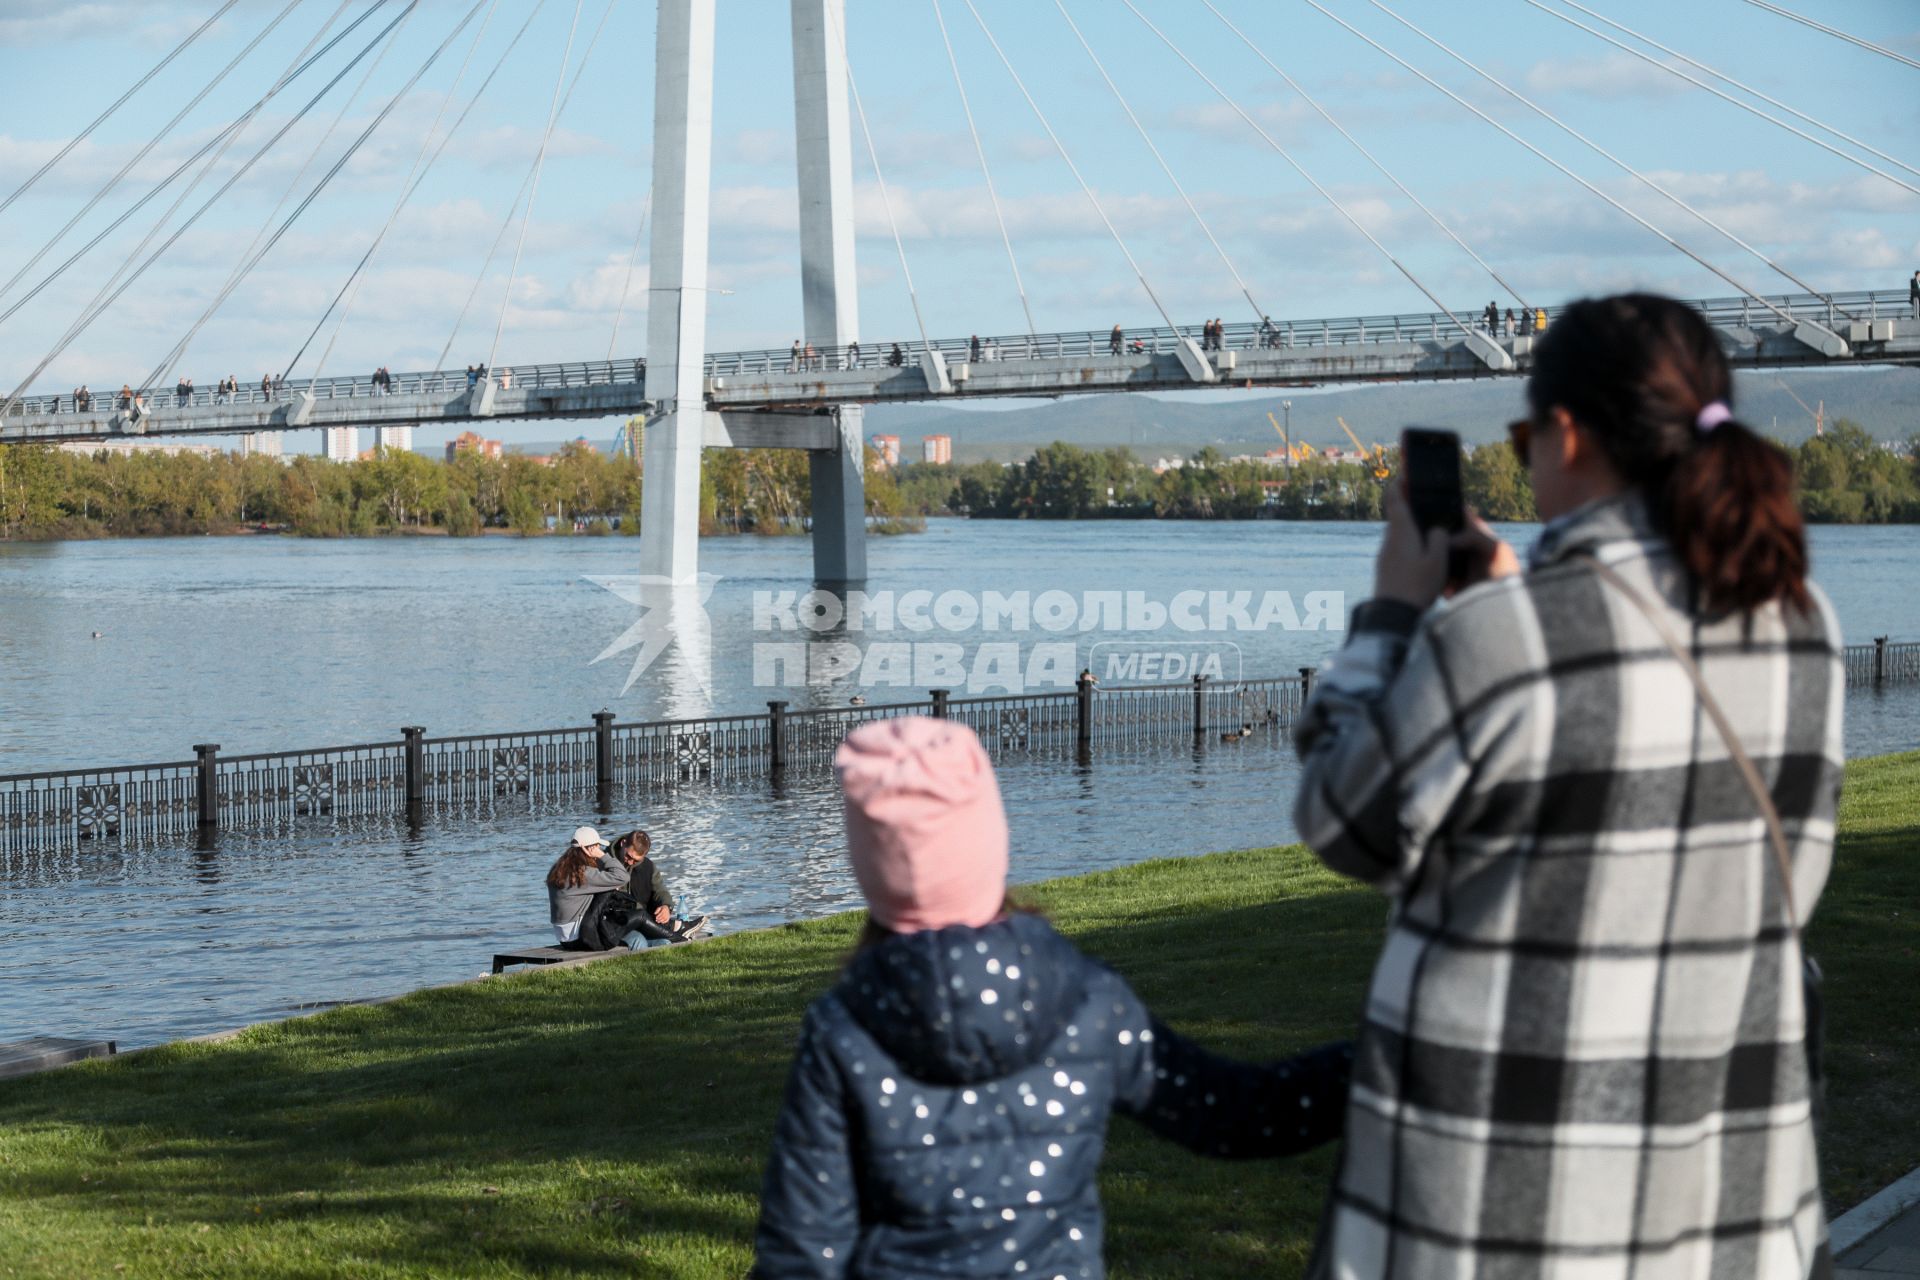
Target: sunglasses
(1520,435)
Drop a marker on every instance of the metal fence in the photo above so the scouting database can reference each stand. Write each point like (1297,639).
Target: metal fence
(1884,661)
(407,777)
(415,774)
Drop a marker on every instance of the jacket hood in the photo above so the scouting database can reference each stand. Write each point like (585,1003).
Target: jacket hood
(964,1005)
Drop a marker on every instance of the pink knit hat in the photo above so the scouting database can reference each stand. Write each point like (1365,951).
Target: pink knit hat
(925,830)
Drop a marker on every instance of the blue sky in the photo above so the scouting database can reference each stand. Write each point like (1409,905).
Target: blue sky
(1831,222)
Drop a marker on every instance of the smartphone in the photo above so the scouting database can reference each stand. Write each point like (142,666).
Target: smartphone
(1430,460)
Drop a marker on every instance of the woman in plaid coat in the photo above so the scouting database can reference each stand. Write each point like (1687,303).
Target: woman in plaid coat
(1583,1051)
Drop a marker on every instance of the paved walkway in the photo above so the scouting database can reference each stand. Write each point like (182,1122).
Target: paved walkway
(1881,1239)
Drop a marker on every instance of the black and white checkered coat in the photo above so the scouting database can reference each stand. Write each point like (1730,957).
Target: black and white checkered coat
(1582,1053)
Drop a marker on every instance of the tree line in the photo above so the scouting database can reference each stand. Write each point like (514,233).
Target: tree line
(1845,477)
(52,493)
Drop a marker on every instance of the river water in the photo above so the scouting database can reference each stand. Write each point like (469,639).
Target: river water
(272,643)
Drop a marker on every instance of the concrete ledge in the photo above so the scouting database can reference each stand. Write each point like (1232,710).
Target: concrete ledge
(42,1053)
(1867,1217)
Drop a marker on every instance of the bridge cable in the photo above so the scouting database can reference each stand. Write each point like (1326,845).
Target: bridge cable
(880,178)
(1060,147)
(506,223)
(1371,158)
(142,154)
(101,119)
(421,179)
(218,140)
(415,176)
(1724,96)
(1165,168)
(1742,85)
(646,208)
(979,149)
(1298,168)
(539,163)
(1670,241)
(313,195)
(110,292)
(353,148)
(1835,32)
(1596,147)
(239,270)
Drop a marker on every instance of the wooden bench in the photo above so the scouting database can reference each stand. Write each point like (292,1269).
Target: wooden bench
(552,955)
(38,1053)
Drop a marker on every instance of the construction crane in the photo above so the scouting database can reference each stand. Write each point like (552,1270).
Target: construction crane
(1377,455)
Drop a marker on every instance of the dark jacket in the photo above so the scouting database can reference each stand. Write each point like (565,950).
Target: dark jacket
(948,1103)
(648,887)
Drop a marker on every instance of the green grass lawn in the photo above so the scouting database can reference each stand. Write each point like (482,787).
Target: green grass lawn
(611,1120)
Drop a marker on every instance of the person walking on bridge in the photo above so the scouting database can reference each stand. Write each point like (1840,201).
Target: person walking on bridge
(1913,295)
(1116,340)
(1601,794)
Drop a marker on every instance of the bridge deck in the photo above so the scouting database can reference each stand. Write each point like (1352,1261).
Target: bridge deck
(1875,328)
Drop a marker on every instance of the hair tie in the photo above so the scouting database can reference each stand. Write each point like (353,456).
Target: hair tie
(1712,416)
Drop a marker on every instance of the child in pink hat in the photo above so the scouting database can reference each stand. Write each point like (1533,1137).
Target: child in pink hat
(948,1103)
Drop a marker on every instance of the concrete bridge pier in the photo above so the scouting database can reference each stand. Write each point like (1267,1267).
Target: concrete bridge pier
(677,309)
(829,287)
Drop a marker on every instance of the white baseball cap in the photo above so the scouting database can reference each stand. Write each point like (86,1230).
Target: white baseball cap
(587,837)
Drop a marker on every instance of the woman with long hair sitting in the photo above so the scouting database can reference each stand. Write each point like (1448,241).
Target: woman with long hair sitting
(577,887)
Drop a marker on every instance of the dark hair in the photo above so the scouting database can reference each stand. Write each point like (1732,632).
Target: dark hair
(633,839)
(1635,371)
(569,871)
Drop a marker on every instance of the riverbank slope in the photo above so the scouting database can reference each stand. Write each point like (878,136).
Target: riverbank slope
(612,1119)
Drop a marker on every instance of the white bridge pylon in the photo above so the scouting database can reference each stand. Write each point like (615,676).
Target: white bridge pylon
(677,313)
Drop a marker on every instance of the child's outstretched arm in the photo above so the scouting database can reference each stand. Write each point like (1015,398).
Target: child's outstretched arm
(809,1202)
(1226,1109)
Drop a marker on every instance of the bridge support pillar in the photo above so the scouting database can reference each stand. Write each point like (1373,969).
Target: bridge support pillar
(829,289)
(677,310)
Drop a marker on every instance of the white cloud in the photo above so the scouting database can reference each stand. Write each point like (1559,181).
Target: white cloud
(1609,77)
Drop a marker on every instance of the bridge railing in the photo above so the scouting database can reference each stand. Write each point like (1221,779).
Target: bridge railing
(1342,331)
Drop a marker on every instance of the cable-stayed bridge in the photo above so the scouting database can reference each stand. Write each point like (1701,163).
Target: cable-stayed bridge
(776,398)
(811,396)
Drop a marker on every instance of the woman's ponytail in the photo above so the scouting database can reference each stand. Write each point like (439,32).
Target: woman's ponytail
(569,871)
(1647,377)
(1734,523)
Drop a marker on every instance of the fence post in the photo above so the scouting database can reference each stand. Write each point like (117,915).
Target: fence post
(1879,659)
(1083,710)
(603,748)
(1199,706)
(207,788)
(776,735)
(940,697)
(415,757)
(1306,685)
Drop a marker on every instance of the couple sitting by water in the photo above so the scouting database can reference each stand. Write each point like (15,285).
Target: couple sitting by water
(598,901)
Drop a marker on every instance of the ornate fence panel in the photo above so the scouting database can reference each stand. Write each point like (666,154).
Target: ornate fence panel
(1883,661)
(1903,661)
(672,752)
(326,782)
(131,802)
(812,736)
(1027,724)
(490,766)
(1141,712)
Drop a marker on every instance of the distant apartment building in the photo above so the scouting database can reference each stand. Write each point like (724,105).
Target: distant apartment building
(936,448)
(398,439)
(267,444)
(471,442)
(343,444)
(888,447)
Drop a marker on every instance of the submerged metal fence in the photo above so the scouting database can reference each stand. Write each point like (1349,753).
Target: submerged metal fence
(409,776)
